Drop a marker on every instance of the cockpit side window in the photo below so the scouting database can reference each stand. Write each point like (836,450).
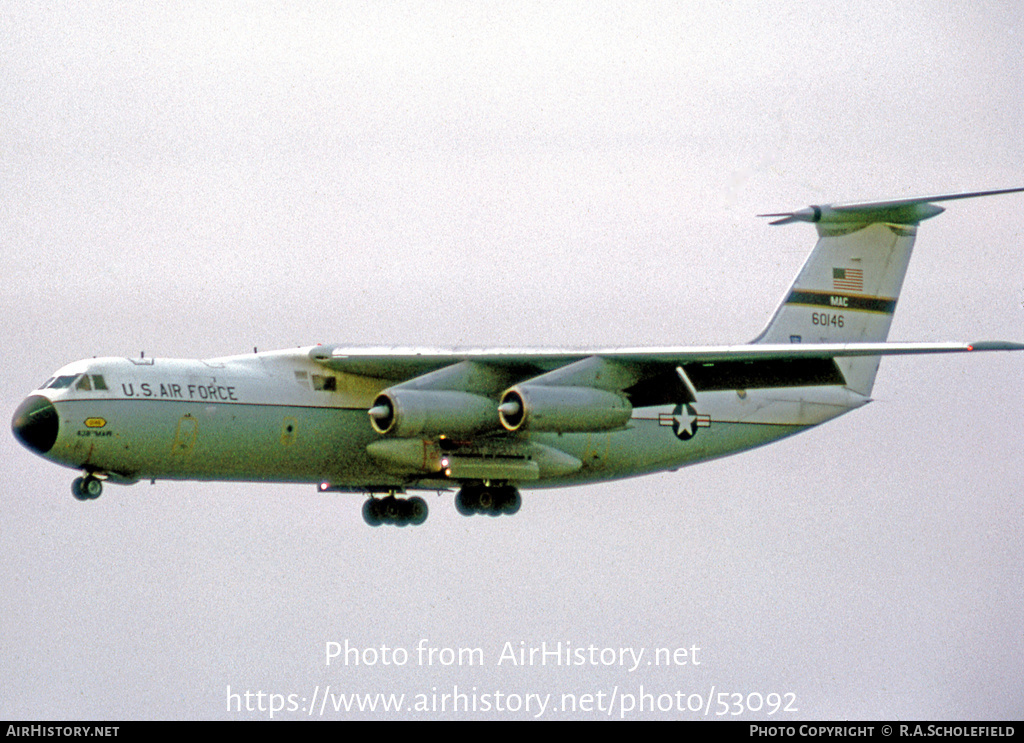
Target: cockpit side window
(98,383)
(84,383)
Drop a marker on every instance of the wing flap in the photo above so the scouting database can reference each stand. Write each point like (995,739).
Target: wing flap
(746,375)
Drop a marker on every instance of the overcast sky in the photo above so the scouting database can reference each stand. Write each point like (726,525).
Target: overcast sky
(196,179)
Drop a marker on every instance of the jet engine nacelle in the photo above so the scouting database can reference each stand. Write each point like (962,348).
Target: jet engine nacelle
(562,409)
(410,412)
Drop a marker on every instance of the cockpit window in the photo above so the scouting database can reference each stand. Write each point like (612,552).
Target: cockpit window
(83,382)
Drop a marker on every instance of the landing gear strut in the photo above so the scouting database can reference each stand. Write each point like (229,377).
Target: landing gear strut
(87,488)
(395,511)
(492,500)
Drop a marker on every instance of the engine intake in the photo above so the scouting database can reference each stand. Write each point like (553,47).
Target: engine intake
(562,409)
(408,412)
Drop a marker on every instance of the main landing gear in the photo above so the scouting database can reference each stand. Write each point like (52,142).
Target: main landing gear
(395,511)
(472,498)
(492,500)
(87,487)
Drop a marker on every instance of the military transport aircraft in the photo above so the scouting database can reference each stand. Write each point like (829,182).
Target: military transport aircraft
(492,422)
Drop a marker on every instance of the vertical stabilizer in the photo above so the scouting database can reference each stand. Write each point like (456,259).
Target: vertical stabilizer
(847,290)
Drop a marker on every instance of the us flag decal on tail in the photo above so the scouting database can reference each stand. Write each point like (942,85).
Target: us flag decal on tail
(848,279)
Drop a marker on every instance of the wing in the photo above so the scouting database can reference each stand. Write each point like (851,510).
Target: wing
(475,391)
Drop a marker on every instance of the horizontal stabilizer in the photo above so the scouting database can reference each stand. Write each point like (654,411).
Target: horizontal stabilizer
(898,211)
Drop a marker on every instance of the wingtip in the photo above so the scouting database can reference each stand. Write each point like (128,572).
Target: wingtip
(808,214)
(995,346)
(785,218)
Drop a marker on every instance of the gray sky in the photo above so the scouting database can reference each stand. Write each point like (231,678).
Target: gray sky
(195,181)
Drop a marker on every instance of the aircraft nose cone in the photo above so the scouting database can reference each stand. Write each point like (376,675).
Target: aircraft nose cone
(35,424)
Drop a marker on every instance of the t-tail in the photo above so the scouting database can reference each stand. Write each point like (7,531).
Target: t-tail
(847,290)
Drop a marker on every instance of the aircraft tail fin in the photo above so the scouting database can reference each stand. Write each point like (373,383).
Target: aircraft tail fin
(847,290)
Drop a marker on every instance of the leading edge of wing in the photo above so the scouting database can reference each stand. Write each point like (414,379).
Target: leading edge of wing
(397,363)
(758,352)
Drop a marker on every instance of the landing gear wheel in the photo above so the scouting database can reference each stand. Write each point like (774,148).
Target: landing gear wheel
(392,511)
(370,513)
(418,511)
(511,501)
(492,500)
(86,488)
(92,487)
(395,511)
(465,502)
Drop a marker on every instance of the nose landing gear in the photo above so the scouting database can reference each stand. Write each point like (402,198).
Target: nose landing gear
(88,487)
